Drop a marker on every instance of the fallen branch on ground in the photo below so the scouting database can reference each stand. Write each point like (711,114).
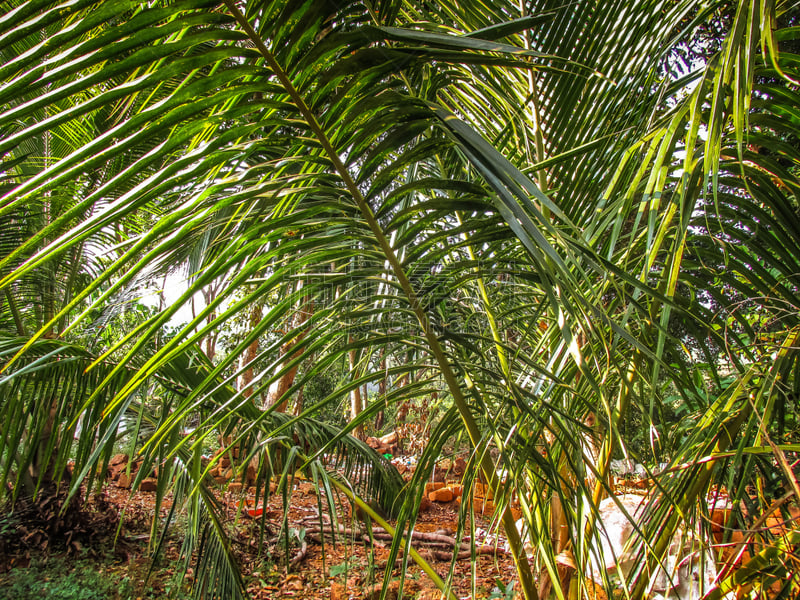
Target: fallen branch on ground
(419,539)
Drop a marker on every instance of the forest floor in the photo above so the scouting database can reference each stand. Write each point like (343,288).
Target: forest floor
(109,557)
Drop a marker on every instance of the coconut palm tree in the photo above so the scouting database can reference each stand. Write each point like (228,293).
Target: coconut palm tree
(524,205)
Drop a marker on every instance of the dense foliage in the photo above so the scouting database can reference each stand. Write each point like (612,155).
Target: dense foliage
(572,225)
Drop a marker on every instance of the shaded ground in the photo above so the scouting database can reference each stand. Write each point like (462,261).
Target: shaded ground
(351,568)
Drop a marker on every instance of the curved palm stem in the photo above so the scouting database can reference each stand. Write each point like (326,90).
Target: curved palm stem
(473,430)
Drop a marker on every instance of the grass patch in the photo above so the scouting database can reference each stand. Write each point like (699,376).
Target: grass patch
(58,578)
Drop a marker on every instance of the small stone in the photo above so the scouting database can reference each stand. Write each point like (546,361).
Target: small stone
(124,481)
(374,593)
(148,485)
(433,485)
(441,495)
(390,438)
(118,459)
(235,487)
(483,491)
(307,488)
(114,471)
(338,591)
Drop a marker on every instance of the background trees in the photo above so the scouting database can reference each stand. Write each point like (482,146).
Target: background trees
(524,208)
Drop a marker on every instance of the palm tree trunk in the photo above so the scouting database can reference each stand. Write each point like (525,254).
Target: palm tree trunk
(40,471)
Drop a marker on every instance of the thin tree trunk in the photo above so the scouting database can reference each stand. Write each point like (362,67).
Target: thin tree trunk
(290,351)
(356,401)
(209,295)
(246,378)
(15,313)
(298,403)
(381,416)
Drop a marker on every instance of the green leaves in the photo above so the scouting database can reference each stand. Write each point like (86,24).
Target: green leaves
(517,209)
